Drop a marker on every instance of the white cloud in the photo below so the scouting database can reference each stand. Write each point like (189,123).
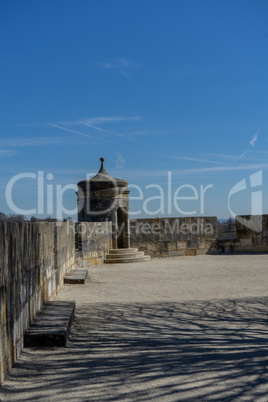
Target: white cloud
(221,156)
(188,172)
(150,132)
(196,160)
(5,153)
(227,168)
(92,121)
(120,63)
(30,141)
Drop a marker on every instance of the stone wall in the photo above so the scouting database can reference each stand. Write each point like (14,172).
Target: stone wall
(93,241)
(34,257)
(171,237)
(251,234)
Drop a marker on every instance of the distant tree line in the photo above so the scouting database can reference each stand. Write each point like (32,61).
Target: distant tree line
(228,224)
(226,228)
(22,218)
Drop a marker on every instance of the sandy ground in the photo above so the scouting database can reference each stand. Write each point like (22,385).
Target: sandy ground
(175,329)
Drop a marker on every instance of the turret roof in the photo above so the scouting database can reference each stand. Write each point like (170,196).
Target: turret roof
(103,179)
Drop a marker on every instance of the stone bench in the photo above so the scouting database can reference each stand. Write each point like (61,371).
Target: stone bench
(78,276)
(51,326)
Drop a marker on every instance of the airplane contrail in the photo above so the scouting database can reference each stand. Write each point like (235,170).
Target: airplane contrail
(78,132)
(241,156)
(255,137)
(252,143)
(128,77)
(135,82)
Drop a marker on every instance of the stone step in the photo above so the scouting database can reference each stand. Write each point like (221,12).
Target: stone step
(78,276)
(126,259)
(136,254)
(125,255)
(51,325)
(122,250)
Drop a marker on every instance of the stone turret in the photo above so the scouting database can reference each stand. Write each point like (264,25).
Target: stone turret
(104,198)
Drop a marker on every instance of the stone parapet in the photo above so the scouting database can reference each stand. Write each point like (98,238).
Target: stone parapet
(34,258)
(93,241)
(171,237)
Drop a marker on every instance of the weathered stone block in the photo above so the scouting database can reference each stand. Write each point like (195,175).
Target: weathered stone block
(172,246)
(245,242)
(192,244)
(201,252)
(149,247)
(181,245)
(190,252)
(172,253)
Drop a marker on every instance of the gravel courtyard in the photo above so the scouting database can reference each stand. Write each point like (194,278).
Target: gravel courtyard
(175,329)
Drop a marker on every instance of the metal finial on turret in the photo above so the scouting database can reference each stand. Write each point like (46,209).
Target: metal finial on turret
(102,170)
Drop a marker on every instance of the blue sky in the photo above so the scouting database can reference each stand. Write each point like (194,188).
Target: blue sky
(152,86)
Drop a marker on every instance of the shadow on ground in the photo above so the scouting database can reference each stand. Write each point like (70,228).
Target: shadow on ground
(214,350)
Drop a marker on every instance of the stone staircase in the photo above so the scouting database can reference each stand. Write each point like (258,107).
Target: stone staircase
(125,255)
